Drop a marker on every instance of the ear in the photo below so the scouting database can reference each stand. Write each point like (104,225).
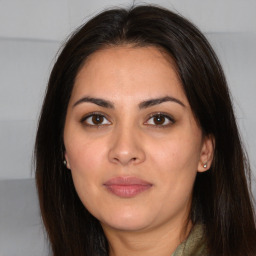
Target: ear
(67,160)
(207,153)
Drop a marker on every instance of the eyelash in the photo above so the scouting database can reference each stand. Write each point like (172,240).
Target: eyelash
(91,115)
(170,119)
(167,117)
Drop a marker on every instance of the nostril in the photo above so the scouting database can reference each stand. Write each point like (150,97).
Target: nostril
(125,154)
(126,161)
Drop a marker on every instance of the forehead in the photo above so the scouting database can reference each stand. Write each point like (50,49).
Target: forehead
(128,70)
(129,58)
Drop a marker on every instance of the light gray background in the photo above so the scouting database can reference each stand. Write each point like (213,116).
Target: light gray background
(31,33)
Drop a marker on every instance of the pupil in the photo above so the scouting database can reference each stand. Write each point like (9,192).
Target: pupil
(97,119)
(159,120)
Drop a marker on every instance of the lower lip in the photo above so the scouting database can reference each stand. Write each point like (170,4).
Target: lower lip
(127,191)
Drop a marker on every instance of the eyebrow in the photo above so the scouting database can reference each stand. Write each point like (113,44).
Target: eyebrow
(145,104)
(153,102)
(100,102)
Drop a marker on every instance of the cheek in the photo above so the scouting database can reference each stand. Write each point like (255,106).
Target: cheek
(85,155)
(85,161)
(176,162)
(177,153)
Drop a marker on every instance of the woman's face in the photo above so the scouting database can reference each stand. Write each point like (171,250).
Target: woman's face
(132,143)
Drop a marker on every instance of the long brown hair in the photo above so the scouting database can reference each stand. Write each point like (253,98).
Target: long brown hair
(221,198)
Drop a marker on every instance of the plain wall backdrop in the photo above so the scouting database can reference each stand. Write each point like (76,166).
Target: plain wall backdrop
(31,33)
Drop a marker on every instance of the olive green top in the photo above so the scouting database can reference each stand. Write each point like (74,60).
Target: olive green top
(194,245)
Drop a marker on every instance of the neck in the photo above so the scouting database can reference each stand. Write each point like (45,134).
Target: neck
(160,241)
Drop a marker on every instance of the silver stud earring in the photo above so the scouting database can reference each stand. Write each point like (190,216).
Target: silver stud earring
(65,162)
(205,165)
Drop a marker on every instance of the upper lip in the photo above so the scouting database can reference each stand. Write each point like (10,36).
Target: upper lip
(127,180)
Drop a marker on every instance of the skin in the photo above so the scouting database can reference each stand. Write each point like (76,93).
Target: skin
(126,141)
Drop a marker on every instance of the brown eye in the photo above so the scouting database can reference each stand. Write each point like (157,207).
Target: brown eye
(95,120)
(160,120)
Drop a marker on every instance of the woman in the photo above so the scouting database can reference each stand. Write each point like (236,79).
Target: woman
(137,150)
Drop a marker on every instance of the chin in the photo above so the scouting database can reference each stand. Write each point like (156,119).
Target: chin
(129,227)
(126,222)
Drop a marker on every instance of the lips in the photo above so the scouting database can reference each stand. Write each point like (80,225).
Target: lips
(127,187)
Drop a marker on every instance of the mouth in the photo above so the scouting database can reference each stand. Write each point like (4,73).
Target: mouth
(127,187)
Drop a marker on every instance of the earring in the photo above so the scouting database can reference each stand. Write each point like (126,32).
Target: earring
(65,162)
(205,165)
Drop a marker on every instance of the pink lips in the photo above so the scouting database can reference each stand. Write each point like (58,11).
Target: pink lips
(127,187)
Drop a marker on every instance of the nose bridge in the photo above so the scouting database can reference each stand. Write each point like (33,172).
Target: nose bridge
(126,147)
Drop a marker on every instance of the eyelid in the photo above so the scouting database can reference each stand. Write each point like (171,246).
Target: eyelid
(163,114)
(88,115)
(152,115)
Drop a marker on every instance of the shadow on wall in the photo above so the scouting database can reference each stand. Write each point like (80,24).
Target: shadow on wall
(21,230)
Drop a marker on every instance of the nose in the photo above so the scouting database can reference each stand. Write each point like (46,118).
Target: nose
(126,147)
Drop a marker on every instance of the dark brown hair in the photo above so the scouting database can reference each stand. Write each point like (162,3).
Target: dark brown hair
(221,198)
